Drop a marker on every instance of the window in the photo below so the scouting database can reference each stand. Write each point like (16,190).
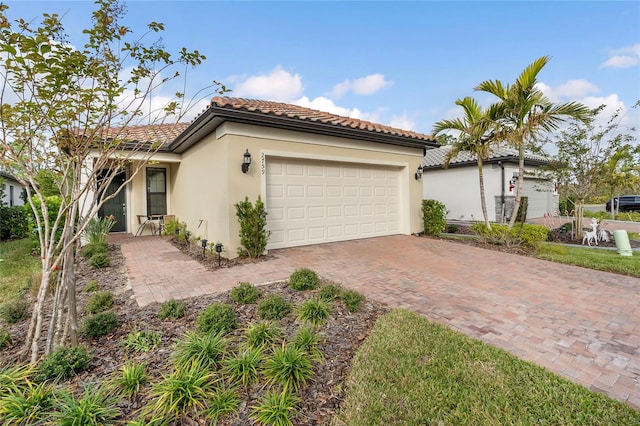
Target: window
(11,199)
(156,191)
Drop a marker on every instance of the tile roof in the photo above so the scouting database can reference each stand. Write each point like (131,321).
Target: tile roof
(434,158)
(146,135)
(296,112)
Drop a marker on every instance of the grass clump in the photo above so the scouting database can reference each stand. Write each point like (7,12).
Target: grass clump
(352,300)
(172,309)
(142,341)
(198,349)
(100,260)
(5,338)
(91,286)
(224,402)
(308,340)
(245,367)
(330,292)
(27,405)
(15,311)
(289,367)
(99,324)
(244,293)
(91,249)
(216,318)
(304,279)
(314,311)
(95,407)
(263,333)
(63,363)
(133,376)
(273,307)
(276,408)
(467,382)
(100,302)
(183,392)
(13,377)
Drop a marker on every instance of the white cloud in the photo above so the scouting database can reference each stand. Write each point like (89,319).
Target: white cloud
(402,122)
(322,103)
(624,57)
(279,85)
(570,90)
(361,86)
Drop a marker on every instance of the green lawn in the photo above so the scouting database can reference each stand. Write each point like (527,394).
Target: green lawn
(18,268)
(411,371)
(599,259)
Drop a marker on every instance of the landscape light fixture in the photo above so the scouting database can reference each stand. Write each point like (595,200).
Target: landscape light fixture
(418,174)
(246,161)
(218,250)
(204,247)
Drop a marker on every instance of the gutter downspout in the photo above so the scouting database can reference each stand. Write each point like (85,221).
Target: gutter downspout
(502,191)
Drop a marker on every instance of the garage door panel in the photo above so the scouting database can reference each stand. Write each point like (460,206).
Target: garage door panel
(311,202)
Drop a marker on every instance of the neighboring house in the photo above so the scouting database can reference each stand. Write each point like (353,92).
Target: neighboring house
(322,177)
(458,188)
(12,190)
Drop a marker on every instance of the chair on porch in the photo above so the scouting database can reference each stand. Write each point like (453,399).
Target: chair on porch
(145,221)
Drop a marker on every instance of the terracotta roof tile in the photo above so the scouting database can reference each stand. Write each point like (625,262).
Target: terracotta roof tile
(436,157)
(308,114)
(146,135)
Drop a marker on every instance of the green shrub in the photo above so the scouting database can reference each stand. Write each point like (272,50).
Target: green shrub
(314,311)
(522,234)
(204,350)
(263,333)
(52,204)
(173,309)
(597,215)
(97,230)
(276,408)
(244,293)
(254,235)
(330,292)
(5,338)
(307,340)
(13,222)
(90,250)
(91,286)
(567,206)
(63,363)
(99,324)
(132,377)
(452,229)
(142,341)
(289,366)
(95,407)
(15,311)
(223,402)
(304,279)
(216,318)
(273,307)
(433,217)
(100,260)
(352,300)
(99,302)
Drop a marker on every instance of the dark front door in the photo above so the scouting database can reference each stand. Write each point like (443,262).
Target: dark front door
(116,206)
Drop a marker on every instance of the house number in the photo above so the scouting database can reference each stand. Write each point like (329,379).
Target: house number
(263,163)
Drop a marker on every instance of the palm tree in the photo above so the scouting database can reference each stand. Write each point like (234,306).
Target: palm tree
(475,134)
(525,113)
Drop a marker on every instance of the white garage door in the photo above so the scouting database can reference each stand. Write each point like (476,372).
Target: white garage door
(311,202)
(538,191)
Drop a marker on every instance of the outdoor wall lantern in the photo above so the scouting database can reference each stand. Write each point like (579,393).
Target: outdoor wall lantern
(418,174)
(246,161)
(204,247)
(218,250)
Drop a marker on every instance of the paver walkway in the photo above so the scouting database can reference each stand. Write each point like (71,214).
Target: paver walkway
(580,323)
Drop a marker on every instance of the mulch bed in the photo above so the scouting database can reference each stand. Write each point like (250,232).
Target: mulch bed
(343,334)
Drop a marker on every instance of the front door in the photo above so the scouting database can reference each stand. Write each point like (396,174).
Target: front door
(116,206)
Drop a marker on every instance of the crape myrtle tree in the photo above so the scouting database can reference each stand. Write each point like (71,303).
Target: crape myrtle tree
(591,156)
(67,110)
(525,114)
(474,134)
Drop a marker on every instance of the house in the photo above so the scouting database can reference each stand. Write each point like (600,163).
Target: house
(457,186)
(322,177)
(12,190)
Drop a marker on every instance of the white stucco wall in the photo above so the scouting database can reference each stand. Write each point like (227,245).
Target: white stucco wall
(12,192)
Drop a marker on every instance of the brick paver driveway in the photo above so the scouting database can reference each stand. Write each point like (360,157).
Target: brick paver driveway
(580,323)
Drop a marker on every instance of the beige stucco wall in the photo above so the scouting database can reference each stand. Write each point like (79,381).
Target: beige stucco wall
(209,181)
(137,194)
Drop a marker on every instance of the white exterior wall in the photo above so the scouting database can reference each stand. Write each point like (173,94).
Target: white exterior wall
(12,187)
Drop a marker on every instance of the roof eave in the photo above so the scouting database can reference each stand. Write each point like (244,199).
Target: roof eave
(506,159)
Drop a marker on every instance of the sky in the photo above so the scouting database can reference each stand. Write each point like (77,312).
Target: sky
(402,64)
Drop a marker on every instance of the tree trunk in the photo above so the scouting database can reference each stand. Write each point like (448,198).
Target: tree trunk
(55,317)
(35,328)
(516,205)
(483,201)
(579,218)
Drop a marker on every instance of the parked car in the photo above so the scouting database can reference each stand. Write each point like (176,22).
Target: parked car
(625,203)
